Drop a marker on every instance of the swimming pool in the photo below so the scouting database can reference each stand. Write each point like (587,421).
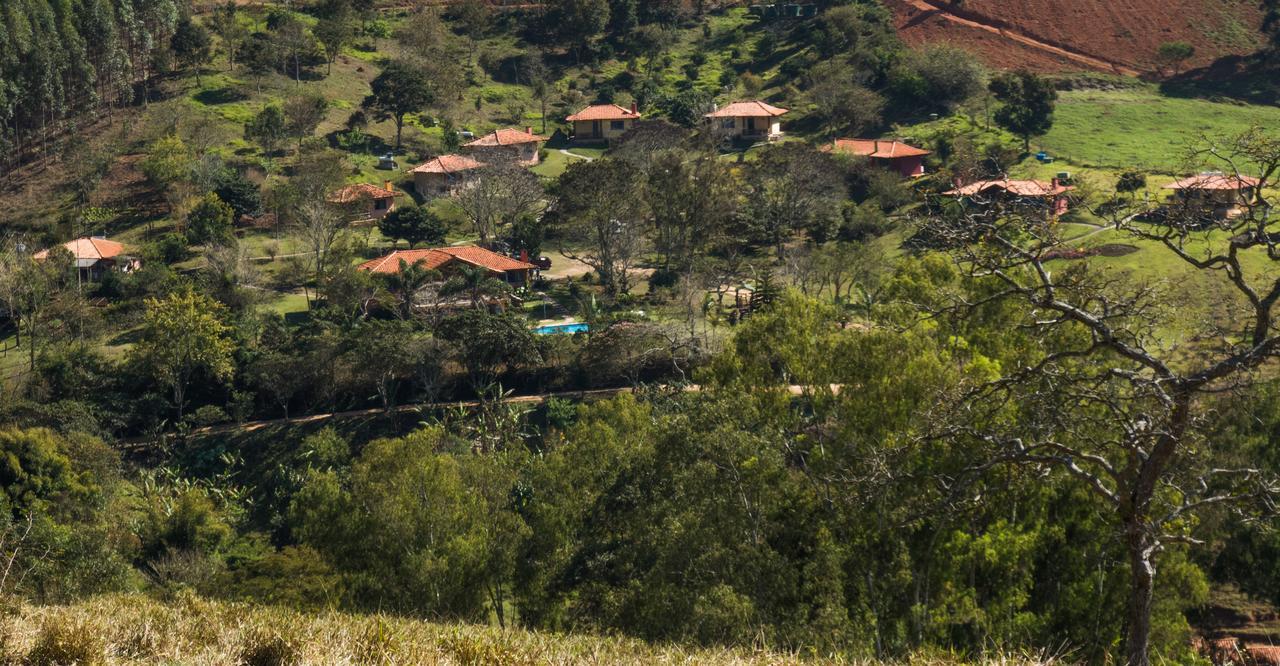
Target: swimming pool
(562,328)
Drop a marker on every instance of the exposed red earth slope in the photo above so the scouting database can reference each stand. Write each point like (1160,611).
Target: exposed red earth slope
(1118,36)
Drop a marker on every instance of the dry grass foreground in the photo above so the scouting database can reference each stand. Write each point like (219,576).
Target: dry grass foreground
(136,629)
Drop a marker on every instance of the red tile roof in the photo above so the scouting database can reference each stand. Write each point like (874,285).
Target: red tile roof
(604,112)
(507,137)
(1213,181)
(435,258)
(353,193)
(88,249)
(754,109)
(883,149)
(449,164)
(1021,188)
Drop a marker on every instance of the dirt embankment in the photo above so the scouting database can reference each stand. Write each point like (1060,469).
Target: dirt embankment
(1104,35)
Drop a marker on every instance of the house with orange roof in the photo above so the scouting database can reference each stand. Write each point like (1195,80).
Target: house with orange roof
(894,155)
(752,120)
(444,175)
(508,145)
(364,202)
(94,256)
(602,123)
(1051,196)
(1213,193)
(447,259)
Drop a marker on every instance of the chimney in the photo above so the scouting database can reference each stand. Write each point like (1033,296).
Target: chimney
(524,256)
(635,109)
(387,184)
(528,129)
(1053,182)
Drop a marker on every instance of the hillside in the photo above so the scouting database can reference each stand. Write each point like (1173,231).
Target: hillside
(1118,33)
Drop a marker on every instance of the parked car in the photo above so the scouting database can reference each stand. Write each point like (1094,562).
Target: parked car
(543,263)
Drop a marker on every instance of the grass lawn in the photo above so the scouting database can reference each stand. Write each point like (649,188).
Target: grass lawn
(554,165)
(1196,298)
(287,303)
(1140,129)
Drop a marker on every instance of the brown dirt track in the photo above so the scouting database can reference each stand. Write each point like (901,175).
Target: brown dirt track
(1103,35)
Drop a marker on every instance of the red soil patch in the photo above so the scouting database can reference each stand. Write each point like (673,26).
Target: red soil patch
(1118,33)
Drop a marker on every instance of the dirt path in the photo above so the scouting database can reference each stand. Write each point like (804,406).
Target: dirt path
(938,8)
(142,443)
(569,153)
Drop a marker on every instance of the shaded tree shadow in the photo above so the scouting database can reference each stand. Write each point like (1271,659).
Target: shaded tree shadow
(215,96)
(1253,78)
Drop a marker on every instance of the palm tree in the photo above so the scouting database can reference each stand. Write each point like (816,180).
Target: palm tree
(476,283)
(408,281)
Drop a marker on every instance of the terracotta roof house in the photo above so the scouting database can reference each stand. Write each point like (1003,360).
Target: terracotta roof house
(1051,195)
(366,202)
(94,256)
(1217,194)
(508,145)
(603,123)
(748,120)
(445,258)
(445,174)
(895,155)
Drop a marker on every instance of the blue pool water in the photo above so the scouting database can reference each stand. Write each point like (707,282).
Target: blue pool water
(561,328)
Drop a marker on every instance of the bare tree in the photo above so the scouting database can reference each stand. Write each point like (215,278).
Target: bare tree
(320,227)
(1108,399)
(499,195)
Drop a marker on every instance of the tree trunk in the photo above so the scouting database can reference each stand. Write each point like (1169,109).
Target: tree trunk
(1141,586)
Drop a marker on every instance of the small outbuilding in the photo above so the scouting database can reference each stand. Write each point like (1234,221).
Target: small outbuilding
(1213,193)
(94,256)
(508,145)
(753,120)
(602,123)
(365,202)
(1052,195)
(444,175)
(897,156)
(447,259)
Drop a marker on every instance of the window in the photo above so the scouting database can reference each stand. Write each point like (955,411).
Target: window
(617,125)
(727,123)
(380,204)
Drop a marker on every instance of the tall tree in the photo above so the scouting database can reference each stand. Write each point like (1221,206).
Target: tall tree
(291,35)
(303,114)
(578,22)
(413,224)
(320,227)
(792,188)
(225,22)
(1028,101)
(182,334)
(267,128)
(191,45)
(607,231)
(335,31)
(692,201)
(399,90)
